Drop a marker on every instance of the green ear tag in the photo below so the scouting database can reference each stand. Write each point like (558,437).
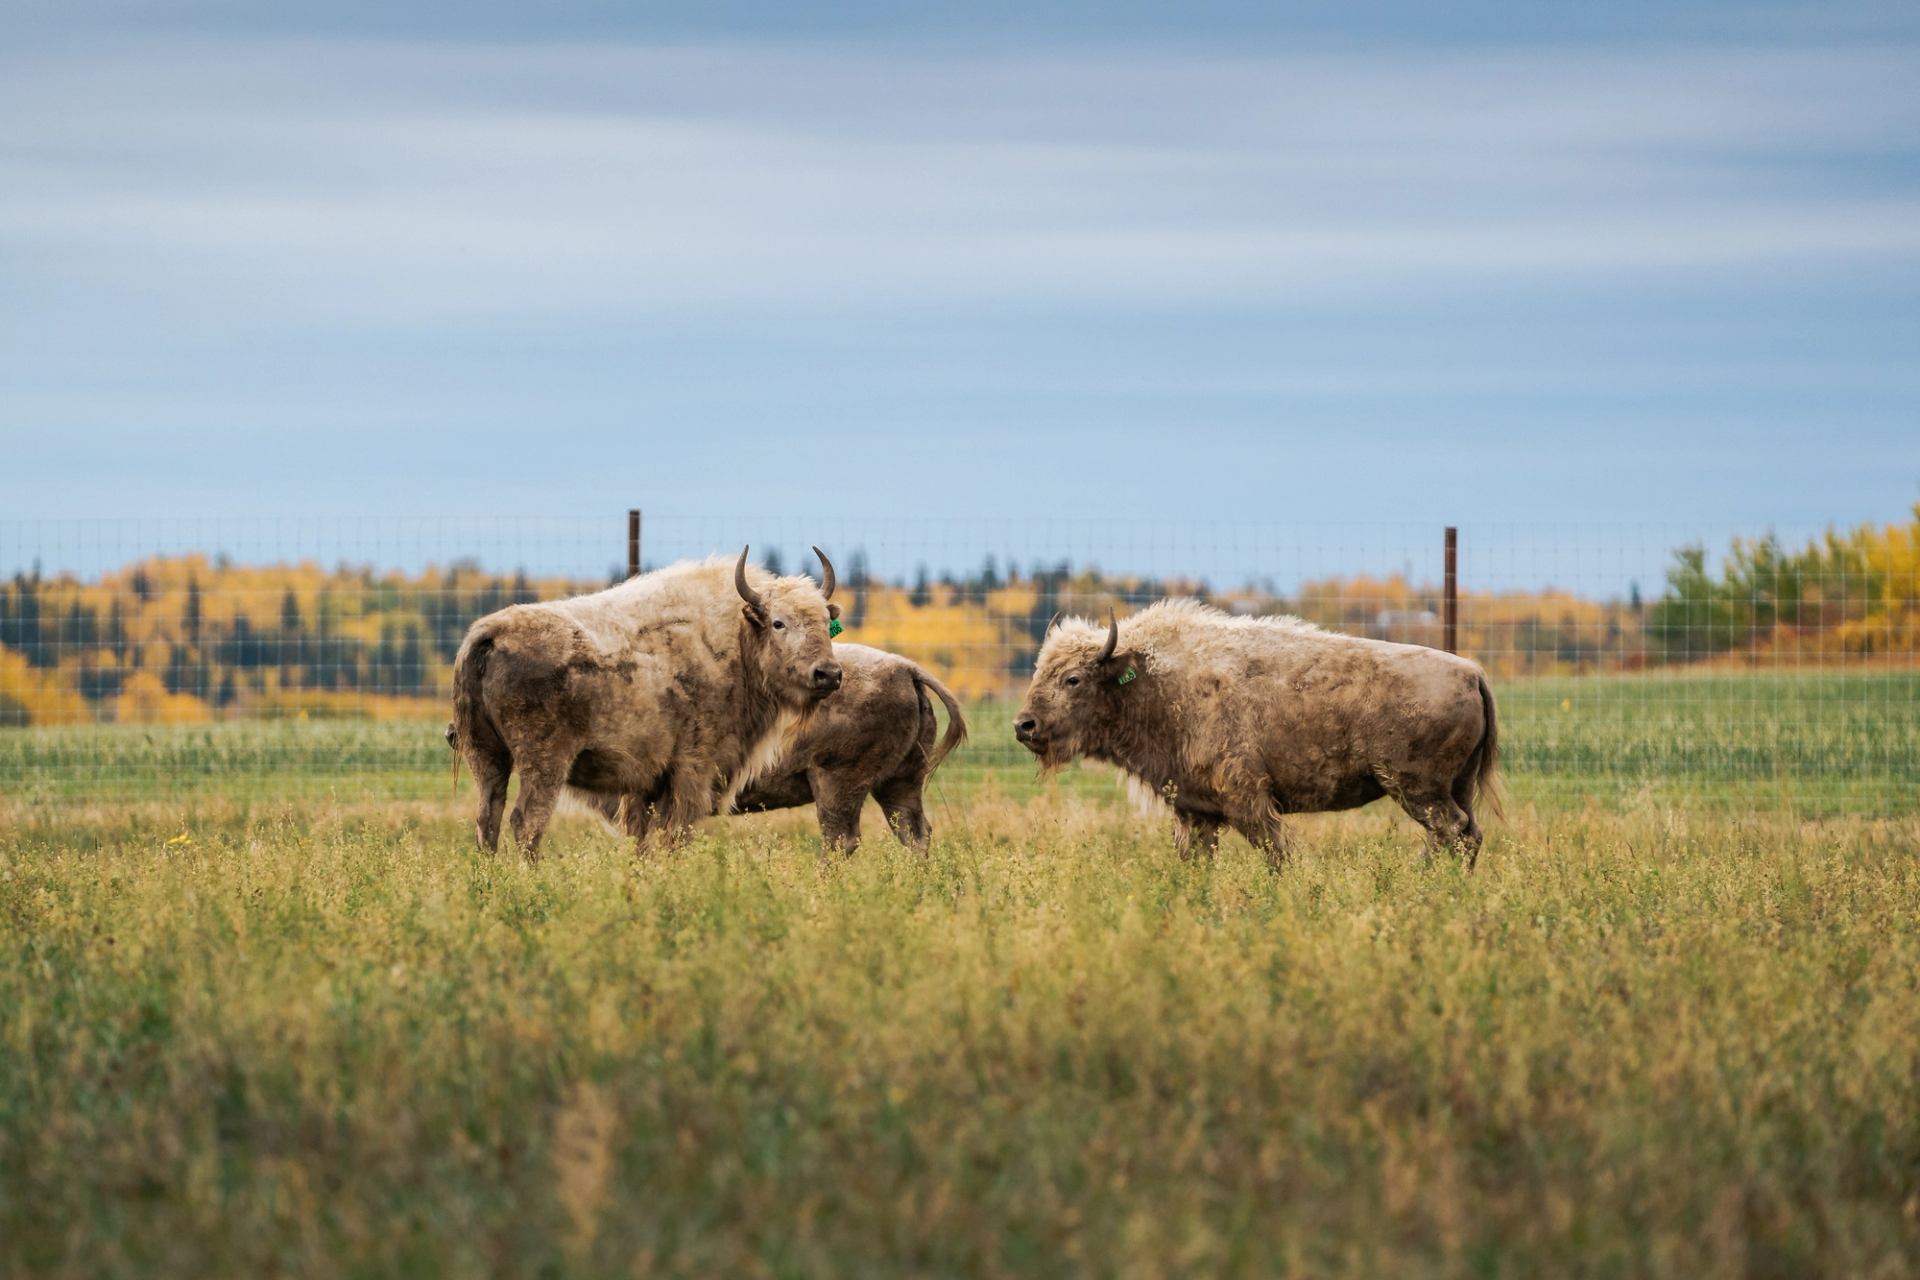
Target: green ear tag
(834,628)
(1127,678)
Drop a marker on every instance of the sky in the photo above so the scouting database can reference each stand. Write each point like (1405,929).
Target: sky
(1022,273)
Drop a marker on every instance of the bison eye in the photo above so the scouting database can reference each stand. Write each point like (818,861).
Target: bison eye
(1072,681)
(779,625)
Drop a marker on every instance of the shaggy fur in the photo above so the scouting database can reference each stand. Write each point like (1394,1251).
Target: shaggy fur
(1238,721)
(667,689)
(873,738)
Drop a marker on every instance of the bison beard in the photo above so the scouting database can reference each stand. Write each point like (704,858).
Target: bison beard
(1238,721)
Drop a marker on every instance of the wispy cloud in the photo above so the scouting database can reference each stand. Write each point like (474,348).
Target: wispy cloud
(1560,259)
(348,182)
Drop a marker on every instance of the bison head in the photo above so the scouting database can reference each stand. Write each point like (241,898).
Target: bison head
(788,620)
(1079,668)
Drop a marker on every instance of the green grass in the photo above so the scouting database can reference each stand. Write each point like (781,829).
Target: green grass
(329,1039)
(1820,742)
(264,1011)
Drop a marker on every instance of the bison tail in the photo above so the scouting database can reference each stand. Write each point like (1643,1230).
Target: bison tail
(956,722)
(1486,778)
(470,725)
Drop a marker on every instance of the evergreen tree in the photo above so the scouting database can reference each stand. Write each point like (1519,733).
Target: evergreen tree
(82,630)
(386,659)
(117,632)
(27,635)
(291,642)
(191,616)
(242,650)
(857,576)
(413,662)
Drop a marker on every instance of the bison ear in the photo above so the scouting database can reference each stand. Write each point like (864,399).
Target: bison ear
(833,610)
(755,616)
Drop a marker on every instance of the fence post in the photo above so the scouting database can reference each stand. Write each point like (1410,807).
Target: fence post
(1450,599)
(633,542)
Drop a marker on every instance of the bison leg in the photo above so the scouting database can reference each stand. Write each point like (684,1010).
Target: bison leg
(1468,841)
(1447,824)
(1264,830)
(490,781)
(1196,833)
(838,802)
(906,812)
(640,810)
(669,815)
(540,788)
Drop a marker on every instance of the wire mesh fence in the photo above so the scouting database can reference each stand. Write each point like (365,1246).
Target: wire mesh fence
(272,657)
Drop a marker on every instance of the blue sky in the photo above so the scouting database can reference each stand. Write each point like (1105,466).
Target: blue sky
(1622,265)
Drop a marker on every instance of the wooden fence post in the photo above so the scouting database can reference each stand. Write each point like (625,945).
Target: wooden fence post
(633,542)
(1450,607)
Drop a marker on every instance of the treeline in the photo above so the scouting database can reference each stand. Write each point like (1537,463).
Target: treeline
(1846,595)
(187,638)
(184,639)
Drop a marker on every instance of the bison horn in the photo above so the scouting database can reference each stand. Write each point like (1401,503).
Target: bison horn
(747,593)
(1113,637)
(1051,623)
(826,574)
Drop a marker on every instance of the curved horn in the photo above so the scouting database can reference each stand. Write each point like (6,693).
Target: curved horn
(1051,624)
(747,593)
(826,574)
(1113,637)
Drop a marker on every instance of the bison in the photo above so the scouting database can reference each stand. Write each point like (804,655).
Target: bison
(1238,721)
(876,737)
(671,688)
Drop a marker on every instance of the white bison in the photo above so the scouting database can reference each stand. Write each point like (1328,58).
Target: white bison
(1238,721)
(874,738)
(672,688)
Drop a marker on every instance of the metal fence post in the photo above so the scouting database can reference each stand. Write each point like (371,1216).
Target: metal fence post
(633,542)
(1450,606)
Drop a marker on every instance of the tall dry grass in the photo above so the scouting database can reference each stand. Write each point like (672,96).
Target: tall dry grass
(329,1039)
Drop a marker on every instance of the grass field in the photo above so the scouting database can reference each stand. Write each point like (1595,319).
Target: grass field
(1817,742)
(250,1031)
(332,1040)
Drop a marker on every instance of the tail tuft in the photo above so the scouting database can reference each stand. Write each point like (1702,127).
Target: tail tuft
(470,726)
(956,721)
(1486,776)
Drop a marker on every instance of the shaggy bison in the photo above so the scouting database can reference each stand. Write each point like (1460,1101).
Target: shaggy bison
(1237,721)
(671,688)
(875,737)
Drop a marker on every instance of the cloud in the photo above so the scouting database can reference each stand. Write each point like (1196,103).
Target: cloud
(306,184)
(1553,278)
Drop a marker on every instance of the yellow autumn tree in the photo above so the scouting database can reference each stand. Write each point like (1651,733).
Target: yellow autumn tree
(31,695)
(143,699)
